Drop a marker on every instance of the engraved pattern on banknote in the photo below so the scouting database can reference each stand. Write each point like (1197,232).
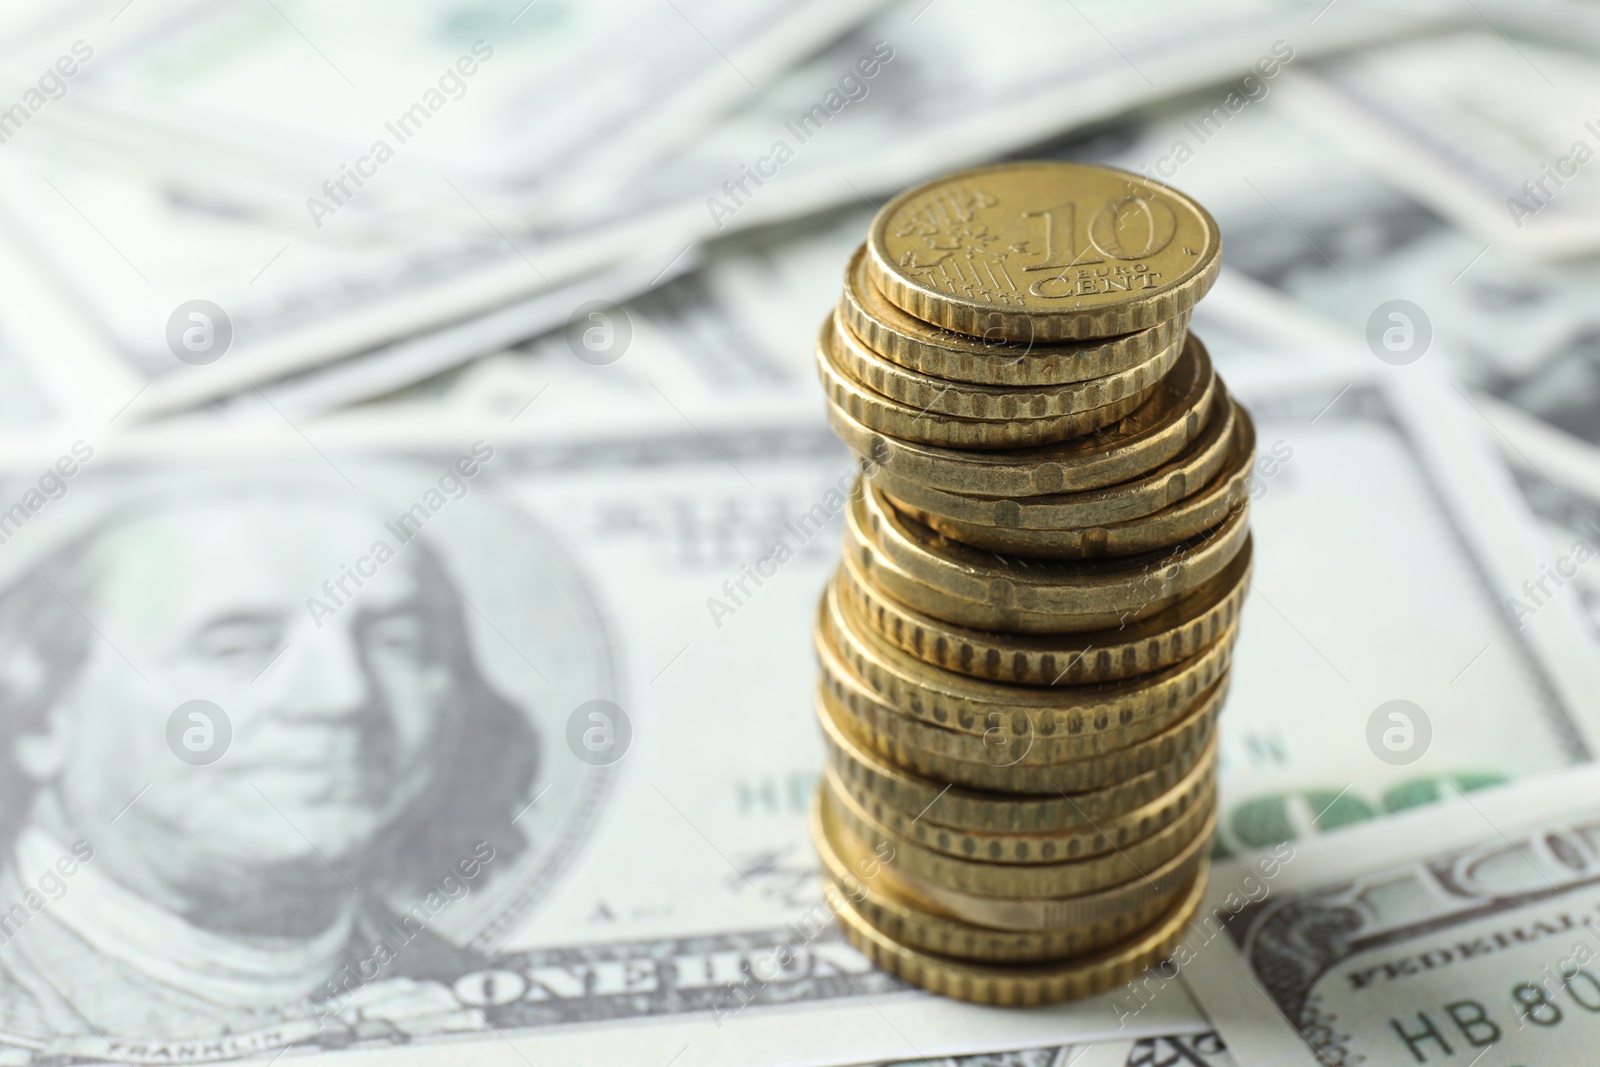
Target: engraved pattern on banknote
(1293,943)
(1190,1050)
(378,779)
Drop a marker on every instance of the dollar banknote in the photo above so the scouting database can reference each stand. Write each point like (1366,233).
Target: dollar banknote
(1494,133)
(409,735)
(1560,480)
(1174,1050)
(1379,471)
(109,239)
(739,328)
(338,108)
(1363,629)
(312,218)
(1464,933)
(1305,216)
(948,99)
(459,751)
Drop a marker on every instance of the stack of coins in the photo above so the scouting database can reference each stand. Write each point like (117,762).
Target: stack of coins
(1027,643)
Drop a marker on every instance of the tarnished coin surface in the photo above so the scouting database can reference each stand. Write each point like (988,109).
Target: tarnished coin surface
(1043,251)
(1174,414)
(1021,986)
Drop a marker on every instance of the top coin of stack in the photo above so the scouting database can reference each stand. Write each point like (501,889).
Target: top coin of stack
(1027,643)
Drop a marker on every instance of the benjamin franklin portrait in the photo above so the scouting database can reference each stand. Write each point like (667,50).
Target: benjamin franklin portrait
(372,819)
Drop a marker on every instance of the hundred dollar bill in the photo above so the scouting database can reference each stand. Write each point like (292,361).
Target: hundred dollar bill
(359,92)
(412,740)
(320,220)
(947,98)
(1306,217)
(581,316)
(1499,135)
(110,252)
(1559,477)
(1176,1050)
(1363,470)
(1461,934)
(740,327)
(1379,510)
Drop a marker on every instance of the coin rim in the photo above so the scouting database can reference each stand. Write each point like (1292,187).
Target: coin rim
(1094,837)
(907,921)
(1186,733)
(897,419)
(1156,490)
(1080,593)
(1117,654)
(977,319)
(1048,468)
(1029,880)
(1098,714)
(1022,986)
(1183,519)
(1048,913)
(929,349)
(965,400)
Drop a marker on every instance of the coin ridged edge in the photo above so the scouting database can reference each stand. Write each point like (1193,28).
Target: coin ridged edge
(1054,468)
(1050,659)
(1021,986)
(1047,325)
(959,357)
(911,922)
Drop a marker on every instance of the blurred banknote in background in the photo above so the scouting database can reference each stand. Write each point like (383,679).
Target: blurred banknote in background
(350,208)
(416,492)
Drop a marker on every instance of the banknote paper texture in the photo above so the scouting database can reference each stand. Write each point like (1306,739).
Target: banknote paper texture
(168,179)
(1309,218)
(1351,450)
(1369,462)
(1559,477)
(1173,1050)
(122,245)
(1465,931)
(1496,135)
(417,743)
(407,643)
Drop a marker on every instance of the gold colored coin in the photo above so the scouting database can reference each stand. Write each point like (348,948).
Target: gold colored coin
(912,423)
(1168,484)
(1157,430)
(947,755)
(989,591)
(1043,252)
(967,401)
(1094,837)
(1227,491)
(884,573)
(1054,722)
(1191,623)
(1027,880)
(998,749)
(946,805)
(955,357)
(912,923)
(1022,985)
(1163,885)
